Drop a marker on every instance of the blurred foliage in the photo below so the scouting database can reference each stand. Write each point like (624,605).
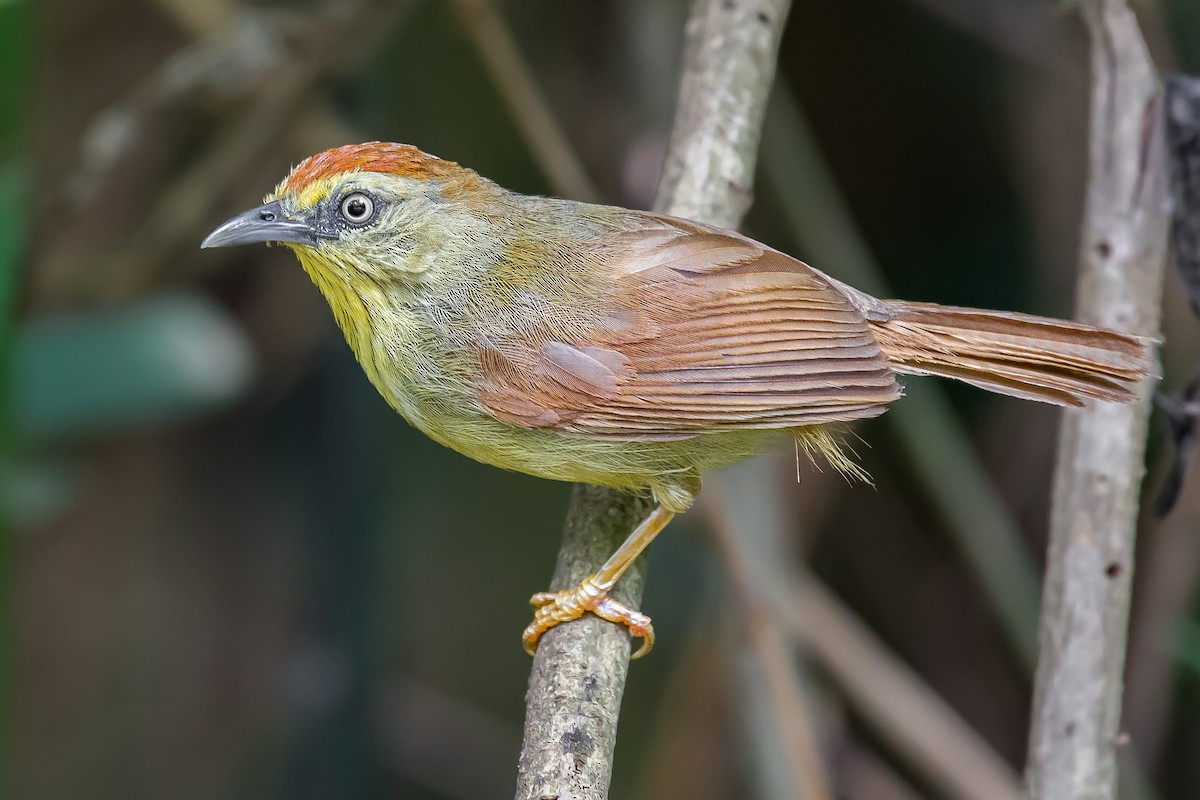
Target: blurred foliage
(268,585)
(15,52)
(99,372)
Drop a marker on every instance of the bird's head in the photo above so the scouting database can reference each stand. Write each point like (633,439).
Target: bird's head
(361,213)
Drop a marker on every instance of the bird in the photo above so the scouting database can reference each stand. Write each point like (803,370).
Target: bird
(624,348)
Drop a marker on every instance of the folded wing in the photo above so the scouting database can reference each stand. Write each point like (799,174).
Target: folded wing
(706,331)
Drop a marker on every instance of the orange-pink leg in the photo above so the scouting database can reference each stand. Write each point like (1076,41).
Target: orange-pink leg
(554,608)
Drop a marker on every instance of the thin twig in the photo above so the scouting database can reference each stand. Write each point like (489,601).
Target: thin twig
(1077,692)
(792,717)
(283,89)
(579,670)
(527,107)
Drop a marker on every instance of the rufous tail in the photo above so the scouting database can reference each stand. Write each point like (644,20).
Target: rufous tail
(1035,358)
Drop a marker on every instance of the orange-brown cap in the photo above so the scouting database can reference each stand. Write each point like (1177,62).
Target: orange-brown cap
(397,159)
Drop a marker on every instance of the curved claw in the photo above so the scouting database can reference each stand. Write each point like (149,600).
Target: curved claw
(638,623)
(555,608)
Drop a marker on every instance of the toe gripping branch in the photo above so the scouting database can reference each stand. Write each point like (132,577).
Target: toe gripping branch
(554,608)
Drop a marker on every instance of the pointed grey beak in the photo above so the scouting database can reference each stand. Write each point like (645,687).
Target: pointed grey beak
(267,223)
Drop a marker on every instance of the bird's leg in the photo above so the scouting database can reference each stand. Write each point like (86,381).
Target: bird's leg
(592,595)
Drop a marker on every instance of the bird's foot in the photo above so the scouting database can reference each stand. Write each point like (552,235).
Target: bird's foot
(554,608)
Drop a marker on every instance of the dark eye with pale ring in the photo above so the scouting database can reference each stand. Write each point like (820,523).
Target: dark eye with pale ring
(357,208)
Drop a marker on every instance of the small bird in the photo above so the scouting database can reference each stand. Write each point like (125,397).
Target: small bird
(624,348)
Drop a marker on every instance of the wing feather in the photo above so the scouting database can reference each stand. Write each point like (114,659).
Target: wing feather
(711,331)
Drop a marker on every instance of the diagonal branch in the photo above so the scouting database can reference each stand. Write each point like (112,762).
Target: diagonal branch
(791,749)
(1077,692)
(934,438)
(917,724)
(902,711)
(274,89)
(579,672)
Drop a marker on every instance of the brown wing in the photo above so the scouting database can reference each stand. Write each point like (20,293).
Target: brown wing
(706,331)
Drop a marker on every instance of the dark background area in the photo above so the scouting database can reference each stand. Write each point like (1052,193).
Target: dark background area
(233,572)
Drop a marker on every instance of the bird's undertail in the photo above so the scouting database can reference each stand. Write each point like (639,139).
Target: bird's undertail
(1035,358)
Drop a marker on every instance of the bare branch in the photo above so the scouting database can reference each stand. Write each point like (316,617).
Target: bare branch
(729,64)
(280,79)
(579,671)
(1077,692)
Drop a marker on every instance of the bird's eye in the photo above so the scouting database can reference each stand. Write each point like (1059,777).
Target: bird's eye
(357,208)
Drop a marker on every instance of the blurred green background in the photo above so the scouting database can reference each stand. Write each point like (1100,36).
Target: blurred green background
(230,571)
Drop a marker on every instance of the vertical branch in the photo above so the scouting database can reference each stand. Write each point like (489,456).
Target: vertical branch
(579,671)
(728,66)
(1077,692)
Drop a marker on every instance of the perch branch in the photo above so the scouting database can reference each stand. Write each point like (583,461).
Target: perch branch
(1077,690)
(579,671)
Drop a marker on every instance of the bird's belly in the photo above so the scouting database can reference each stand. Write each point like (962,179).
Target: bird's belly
(552,454)
(450,417)
(583,458)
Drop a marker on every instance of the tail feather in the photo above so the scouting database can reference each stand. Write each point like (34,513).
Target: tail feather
(1035,358)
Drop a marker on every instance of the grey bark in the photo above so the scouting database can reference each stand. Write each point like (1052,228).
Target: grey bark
(579,671)
(1078,686)
(728,67)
